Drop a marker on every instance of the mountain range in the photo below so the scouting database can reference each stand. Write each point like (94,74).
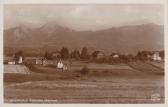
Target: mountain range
(124,39)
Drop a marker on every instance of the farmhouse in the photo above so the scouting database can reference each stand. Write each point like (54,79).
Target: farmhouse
(47,62)
(8,60)
(39,61)
(115,55)
(11,62)
(60,64)
(100,55)
(34,60)
(18,57)
(156,57)
(20,61)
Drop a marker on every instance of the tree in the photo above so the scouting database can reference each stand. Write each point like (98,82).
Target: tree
(47,56)
(138,54)
(124,58)
(18,54)
(84,53)
(142,55)
(75,54)
(94,54)
(64,53)
(161,54)
(84,70)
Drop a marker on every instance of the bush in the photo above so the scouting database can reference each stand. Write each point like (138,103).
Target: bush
(84,70)
(52,66)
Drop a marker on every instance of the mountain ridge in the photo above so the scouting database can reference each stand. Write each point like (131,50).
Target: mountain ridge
(124,39)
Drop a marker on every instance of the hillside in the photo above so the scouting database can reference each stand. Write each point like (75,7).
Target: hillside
(125,39)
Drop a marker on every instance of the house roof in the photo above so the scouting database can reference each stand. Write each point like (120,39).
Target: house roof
(114,54)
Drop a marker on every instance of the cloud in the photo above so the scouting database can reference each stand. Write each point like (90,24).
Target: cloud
(82,17)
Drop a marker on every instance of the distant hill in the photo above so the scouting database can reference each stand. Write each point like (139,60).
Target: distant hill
(125,39)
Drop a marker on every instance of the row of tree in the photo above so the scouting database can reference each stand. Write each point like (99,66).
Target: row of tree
(84,55)
(65,54)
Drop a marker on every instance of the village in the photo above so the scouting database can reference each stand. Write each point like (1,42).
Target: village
(90,75)
(61,59)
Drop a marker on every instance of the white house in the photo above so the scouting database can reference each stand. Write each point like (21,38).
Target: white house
(115,55)
(60,65)
(156,56)
(20,60)
(11,62)
(100,55)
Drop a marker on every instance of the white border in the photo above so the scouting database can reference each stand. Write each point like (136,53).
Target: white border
(166,50)
(1,53)
(83,1)
(2,2)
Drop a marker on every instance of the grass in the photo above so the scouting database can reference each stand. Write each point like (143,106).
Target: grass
(80,84)
(109,90)
(159,65)
(77,70)
(146,68)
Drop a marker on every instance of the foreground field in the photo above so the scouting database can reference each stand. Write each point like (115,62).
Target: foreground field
(108,84)
(95,90)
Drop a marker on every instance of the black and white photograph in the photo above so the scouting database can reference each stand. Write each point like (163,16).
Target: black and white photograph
(83,54)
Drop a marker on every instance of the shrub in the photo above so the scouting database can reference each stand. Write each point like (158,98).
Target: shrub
(84,70)
(52,66)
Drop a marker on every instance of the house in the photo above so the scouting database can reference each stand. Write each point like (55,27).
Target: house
(33,60)
(60,65)
(18,57)
(63,65)
(11,62)
(49,62)
(100,55)
(114,55)
(8,59)
(155,56)
(20,61)
(39,61)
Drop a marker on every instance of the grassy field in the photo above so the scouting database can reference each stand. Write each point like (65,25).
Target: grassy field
(103,83)
(146,67)
(159,65)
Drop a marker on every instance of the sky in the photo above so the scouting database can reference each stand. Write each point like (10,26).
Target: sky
(82,16)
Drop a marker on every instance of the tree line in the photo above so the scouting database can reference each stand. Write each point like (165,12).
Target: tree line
(65,54)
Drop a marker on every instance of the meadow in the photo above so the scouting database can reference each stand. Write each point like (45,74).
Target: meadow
(103,83)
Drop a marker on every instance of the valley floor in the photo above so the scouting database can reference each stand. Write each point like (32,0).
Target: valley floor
(71,87)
